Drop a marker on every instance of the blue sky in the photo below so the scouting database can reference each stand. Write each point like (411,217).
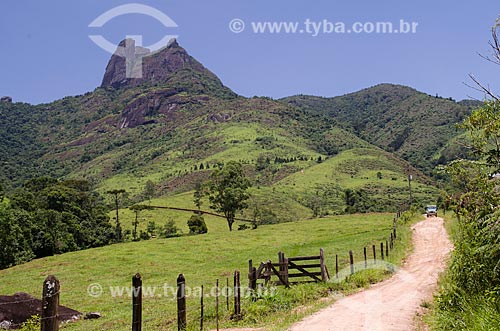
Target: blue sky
(46,53)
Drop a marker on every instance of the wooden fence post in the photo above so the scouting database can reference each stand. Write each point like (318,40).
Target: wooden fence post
(336,266)
(324,276)
(268,272)
(351,261)
(137,302)
(50,304)
(382,250)
(250,279)
(285,270)
(374,254)
(237,308)
(386,248)
(217,303)
(366,261)
(227,293)
(201,309)
(392,242)
(254,277)
(280,262)
(181,303)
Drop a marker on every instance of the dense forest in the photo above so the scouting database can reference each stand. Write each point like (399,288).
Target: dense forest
(47,216)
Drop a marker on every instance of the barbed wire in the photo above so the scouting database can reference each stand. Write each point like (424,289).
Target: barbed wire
(29,300)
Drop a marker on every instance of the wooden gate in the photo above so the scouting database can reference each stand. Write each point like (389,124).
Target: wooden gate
(305,269)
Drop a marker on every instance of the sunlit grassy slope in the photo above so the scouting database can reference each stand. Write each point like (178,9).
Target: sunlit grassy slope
(372,170)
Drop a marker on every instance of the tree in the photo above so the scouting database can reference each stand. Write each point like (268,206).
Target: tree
(137,210)
(15,238)
(199,192)
(483,126)
(475,261)
(315,203)
(495,47)
(357,201)
(473,276)
(149,190)
(228,191)
(48,216)
(170,230)
(116,196)
(262,163)
(151,230)
(197,225)
(2,193)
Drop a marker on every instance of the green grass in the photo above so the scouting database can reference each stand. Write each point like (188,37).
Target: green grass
(450,224)
(161,216)
(352,169)
(284,206)
(203,259)
(227,142)
(357,169)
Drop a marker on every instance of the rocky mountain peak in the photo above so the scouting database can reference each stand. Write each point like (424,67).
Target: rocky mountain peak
(133,65)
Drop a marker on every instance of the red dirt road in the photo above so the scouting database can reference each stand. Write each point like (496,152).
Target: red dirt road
(392,304)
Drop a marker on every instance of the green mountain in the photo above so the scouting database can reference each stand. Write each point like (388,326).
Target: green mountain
(416,126)
(178,121)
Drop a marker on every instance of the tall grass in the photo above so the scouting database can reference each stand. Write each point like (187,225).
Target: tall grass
(468,298)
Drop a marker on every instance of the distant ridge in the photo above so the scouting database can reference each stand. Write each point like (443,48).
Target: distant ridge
(399,119)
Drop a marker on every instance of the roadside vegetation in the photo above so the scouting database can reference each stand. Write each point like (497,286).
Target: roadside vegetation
(469,297)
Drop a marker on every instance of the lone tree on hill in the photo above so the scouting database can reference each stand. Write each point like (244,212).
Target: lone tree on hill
(137,210)
(116,196)
(199,192)
(227,191)
(149,190)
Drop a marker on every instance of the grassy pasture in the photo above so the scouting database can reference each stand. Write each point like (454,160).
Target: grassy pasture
(203,259)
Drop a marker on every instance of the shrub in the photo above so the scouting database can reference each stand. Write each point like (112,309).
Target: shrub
(32,324)
(169,230)
(197,224)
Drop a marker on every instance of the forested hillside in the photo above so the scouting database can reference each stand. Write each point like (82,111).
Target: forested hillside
(416,126)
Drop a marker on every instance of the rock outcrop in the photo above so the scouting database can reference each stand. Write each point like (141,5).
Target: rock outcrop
(133,65)
(18,308)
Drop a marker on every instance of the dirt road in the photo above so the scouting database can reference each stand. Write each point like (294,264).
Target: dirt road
(392,304)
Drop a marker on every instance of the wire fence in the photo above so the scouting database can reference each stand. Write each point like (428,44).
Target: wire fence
(225,296)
